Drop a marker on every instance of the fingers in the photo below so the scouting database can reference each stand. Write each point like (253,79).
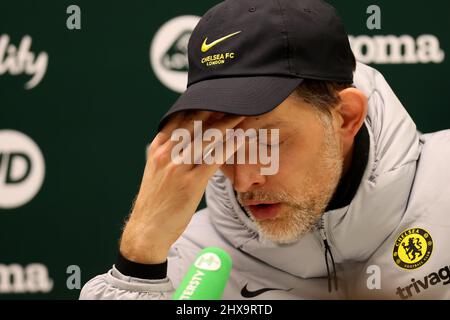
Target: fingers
(229,147)
(194,153)
(165,133)
(182,120)
(183,140)
(221,140)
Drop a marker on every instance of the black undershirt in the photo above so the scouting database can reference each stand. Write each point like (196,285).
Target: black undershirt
(349,183)
(345,191)
(140,270)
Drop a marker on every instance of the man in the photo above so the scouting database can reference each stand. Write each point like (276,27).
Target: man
(359,205)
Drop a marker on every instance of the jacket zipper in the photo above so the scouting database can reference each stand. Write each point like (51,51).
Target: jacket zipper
(328,252)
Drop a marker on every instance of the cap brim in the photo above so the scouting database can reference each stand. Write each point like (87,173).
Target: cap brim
(246,96)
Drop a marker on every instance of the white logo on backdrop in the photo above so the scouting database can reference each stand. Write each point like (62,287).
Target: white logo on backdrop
(22,169)
(168,52)
(30,279)
(169,58)
(392,49)
(21,60)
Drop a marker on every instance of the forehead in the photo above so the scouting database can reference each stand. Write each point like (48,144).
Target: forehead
(288,114)
(291,113)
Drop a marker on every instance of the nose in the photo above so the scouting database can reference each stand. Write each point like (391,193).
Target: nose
(244,177)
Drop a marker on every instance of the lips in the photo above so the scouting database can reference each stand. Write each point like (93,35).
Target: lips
(263,210)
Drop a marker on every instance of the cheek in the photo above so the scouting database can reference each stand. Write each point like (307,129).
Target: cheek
(298,157)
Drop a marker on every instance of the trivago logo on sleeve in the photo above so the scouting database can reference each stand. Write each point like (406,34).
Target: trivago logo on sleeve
(418,285)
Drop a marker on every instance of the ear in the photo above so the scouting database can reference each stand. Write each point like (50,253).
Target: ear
(351,113)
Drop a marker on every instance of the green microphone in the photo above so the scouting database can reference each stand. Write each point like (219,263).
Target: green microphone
(207,277)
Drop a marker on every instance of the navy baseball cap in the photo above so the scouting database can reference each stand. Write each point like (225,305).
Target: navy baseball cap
(247,56)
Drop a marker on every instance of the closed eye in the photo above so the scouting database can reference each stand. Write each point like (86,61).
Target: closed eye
(271,145)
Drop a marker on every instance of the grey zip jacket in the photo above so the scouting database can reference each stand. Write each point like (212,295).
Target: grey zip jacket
(391,242)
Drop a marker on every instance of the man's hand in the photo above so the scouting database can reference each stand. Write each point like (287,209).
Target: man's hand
(169,192)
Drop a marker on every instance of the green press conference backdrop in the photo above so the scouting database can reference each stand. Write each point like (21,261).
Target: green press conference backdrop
(82,86)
